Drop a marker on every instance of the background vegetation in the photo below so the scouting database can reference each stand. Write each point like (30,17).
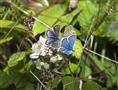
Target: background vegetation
(93,65)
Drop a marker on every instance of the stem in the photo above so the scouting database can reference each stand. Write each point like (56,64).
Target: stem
(26,13)
(11,29)
(101,55)
(38,80)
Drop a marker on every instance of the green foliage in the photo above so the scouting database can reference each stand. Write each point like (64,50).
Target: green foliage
(71,68)
(78,49)
(49,16)
(91,85)
(70,83)
(5,40)
(88,11)
(10,24)
(94,64)
(15,58)
(53,83)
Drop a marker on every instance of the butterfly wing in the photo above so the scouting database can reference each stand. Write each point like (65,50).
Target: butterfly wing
(65,47)
(68,31)
(52,37)
(56,29)
(65,51)
(71,41)
(67,44)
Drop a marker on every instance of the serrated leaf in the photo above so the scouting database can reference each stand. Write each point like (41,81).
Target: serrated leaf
(70,83)
(49,17)
(72,68)
(78,49)
(15,58)
(91,85)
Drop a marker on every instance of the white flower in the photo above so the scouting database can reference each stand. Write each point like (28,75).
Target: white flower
(42,40)
(53,59)
(34,55)
(59,57)
(42,63)
(40,48)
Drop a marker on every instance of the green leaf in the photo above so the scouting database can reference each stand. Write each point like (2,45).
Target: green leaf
(53,83)
(15,58)
(72,68)
(63,21)
(49,16)
(70,83)
(91,85)
(78,49)
(24,85)
(5,80)
(10,24)
(88,10)
(85,72)
(5,40)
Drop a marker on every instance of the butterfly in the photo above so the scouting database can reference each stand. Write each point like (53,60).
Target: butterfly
(53,36)
(69,31)
(67,42)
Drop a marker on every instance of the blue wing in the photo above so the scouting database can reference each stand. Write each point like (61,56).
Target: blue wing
(65,46)
(71,41)
(52,38)
(64,43)
(65,51)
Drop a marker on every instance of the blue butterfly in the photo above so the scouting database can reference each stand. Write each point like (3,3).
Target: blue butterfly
(68,40)
(67,44)
(53,36)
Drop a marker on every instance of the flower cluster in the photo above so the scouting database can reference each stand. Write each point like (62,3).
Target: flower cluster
(40,49)
(48,48)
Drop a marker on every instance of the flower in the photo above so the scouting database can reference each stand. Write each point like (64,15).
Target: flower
(40,49)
